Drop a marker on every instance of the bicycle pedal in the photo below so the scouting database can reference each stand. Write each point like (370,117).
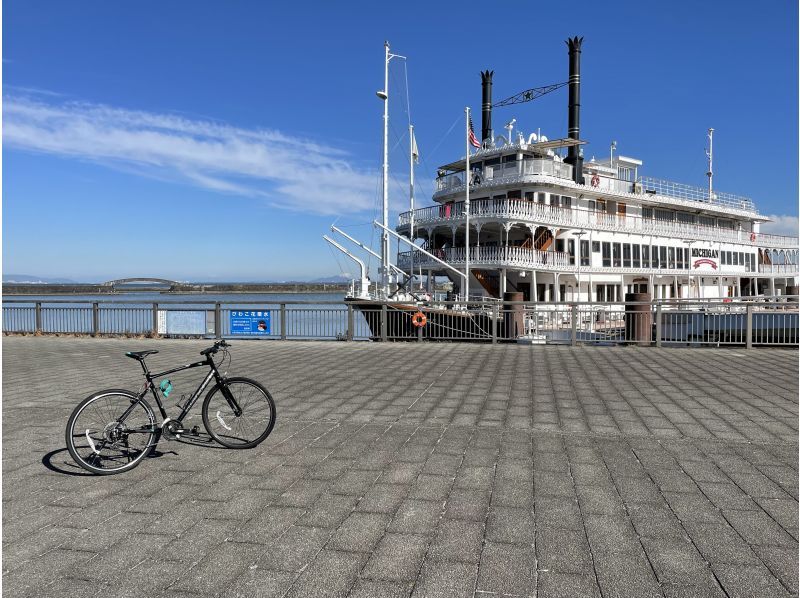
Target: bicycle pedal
(196,431)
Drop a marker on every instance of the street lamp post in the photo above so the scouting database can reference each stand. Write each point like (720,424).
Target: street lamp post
(689,244)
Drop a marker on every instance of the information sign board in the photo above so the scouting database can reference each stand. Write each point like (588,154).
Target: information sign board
(250,322)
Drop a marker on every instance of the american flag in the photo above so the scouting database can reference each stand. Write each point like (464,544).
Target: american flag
(472,139)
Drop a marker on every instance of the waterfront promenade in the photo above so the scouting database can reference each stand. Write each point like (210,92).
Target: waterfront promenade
(436,469)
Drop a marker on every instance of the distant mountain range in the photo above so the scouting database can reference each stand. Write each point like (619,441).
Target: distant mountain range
(27,279)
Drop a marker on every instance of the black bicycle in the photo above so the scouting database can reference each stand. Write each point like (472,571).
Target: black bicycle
(112,431)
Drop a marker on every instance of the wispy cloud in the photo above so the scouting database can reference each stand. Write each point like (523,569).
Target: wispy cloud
(781,225)
(291,173)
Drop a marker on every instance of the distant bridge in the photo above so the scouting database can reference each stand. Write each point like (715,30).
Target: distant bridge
(119,281)
(173,285)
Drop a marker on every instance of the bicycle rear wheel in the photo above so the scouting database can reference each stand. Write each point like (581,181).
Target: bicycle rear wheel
(254,422)
(111,432)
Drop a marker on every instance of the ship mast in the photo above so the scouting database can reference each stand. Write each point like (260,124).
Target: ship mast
(384,95)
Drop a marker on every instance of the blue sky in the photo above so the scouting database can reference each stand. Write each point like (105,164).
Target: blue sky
(218,141)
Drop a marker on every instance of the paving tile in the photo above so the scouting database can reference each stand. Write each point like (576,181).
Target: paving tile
(507,569)
(398,557)
(445,579)
(331,573)
(553,584)
(360,532)
(750,581)
(563,551)
(457,540)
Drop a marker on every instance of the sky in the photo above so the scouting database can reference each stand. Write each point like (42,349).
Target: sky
(219,141)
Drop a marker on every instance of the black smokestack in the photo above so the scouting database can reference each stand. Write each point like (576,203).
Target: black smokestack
(574,117)
(486,86)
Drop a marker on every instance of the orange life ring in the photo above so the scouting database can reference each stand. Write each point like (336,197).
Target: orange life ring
(752,237)
(419,320)
(595,180)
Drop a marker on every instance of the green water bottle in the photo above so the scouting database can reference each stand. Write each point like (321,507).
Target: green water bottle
(166,387)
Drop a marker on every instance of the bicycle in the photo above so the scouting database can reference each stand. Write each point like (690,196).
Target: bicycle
(112,431)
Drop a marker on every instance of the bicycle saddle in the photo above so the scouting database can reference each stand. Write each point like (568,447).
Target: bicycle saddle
(140,355)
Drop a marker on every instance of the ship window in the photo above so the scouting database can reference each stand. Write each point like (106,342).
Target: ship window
(492,162)
(679,260)
(529,195)
(616,249)
(626,255)
(601,292)
(686,257)
(735,259)
(498,197)
(664,214)
(601,205)
(686,217)
(606,254)
(671,251)
(706,220)
(647,212)
(541,197)
(555,200)
(560,245)
(645,256)
(741,258)
(595,246)
(511,158)
(566,202)
(515,194)
(662,257)
(591,205)
(571,251)
(730,258)
(723,258)
(585,258)
(636,261)
(725,223)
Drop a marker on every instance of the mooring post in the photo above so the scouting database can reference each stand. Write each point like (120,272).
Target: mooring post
(749,330)
(574,318)
(95,319)
(37,325)
(350,322)
(283,321)
(384,321)
(155,319)
(217,320)
(658,325)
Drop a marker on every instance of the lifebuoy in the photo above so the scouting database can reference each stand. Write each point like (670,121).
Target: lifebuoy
(752,237)
(419,320)
(595,180)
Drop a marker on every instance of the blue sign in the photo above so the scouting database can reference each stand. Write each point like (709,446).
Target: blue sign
(250,322)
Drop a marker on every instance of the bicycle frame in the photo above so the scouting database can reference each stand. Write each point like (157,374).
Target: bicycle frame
(212,374)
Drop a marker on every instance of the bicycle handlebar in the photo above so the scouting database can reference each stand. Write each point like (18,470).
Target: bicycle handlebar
(217,346)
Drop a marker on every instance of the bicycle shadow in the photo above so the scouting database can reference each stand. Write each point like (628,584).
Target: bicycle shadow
(65,466)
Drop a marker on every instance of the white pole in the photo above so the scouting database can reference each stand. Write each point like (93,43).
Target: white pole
(411,192)
(385,241)
(710,154)
(466,209)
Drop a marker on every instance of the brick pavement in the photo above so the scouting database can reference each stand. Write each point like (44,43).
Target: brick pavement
(423,470)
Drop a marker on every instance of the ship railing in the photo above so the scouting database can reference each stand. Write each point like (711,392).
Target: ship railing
(778,269)
(739,321)
(490,256)
(692,193)
(531,166)
(525,210)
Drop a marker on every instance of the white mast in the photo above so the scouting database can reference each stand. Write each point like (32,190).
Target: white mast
(385,239)
(710,173)
(384,95)
(466,210)
(411,194)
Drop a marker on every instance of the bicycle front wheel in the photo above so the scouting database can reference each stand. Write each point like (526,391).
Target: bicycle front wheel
(111,432)
(255,417)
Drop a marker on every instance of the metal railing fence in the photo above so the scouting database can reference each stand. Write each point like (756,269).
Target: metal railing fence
(762,321)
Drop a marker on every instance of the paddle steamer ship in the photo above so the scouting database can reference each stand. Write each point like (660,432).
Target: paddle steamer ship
(547,224)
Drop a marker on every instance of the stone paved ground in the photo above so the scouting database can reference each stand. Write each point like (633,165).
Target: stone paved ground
(432,470)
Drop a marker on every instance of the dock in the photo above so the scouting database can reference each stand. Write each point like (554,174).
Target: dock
(425,469)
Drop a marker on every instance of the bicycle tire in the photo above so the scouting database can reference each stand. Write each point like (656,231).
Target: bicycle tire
(237,432)
(114,436)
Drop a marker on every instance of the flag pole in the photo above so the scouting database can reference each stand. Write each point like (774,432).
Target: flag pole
(466,210)
(411,195)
